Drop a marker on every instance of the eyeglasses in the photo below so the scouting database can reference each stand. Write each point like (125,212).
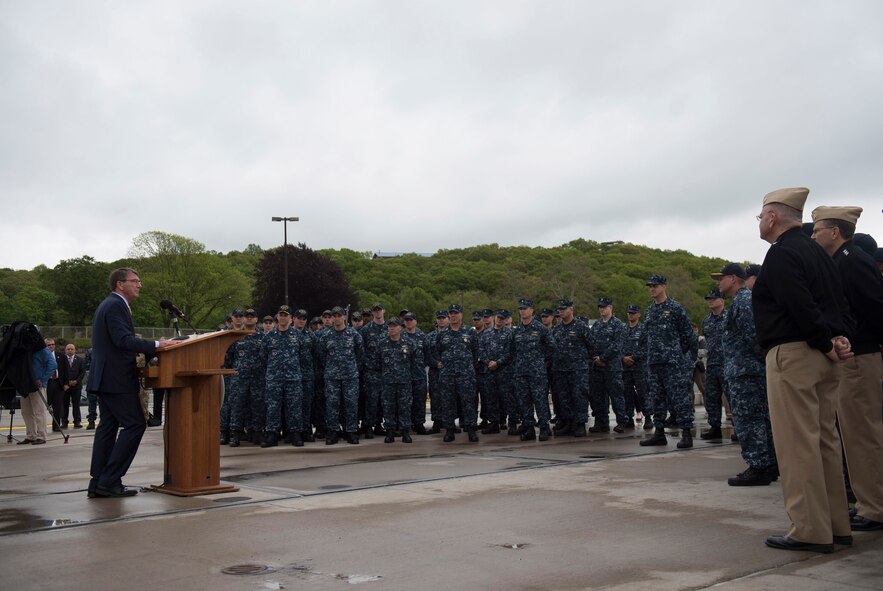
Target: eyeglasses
(132,280)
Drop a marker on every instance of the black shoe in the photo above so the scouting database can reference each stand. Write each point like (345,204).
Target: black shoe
(734,437)
(436,428)
(751,477)
(55,429)
(713,433)
(528,434)
(331,439)
(579,430)
(320,433)
(421,430)
(271,439)
(545,433)
(773,472)
(64,425)
(379,430)
(843,540)
(658,438)
(80,425)
(406,437)
(630,424)
(449,435)
(599,428)
(369,434)
(786,543)
(458,430)
(307,436)
(114,491)
(24,442)
(491,429)
(686,441)
(151,422)
(297,440)
(353,438)
(513,429)
(483,424)
(473,436)
(389,438)
(225,437)
(859,523)
(234,441)
(561,427)
(38,441)
(619,428)
(648,424)
(671,422)
(90,426)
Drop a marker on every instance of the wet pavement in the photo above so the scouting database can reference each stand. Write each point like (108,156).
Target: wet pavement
(593,513)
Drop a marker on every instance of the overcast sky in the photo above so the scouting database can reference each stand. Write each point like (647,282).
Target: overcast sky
(414,126)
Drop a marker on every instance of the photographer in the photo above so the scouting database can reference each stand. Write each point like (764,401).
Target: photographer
(33,405)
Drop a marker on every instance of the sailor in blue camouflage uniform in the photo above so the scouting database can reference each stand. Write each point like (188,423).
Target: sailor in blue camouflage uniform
(395,357)
(482,377)
(418,372)
(487,388)
(372,333)
(435,407)
(606,390)
(573,349)
(669,341)
(235,321)
(455,352)
(634,369)
(247,389)
(307,360)
(533,348)
(498,352)
(713,331)
(340,354)
(280,353)
(745,375)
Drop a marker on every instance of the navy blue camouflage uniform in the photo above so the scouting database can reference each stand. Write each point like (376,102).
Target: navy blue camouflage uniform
(372,333)
(532,348)
(573,350)
(745,375)
(247,386)
(498,348)
(395,358)
(418,376)
(307,359)
(280,352)
(634,380)
(606,388)
(670,342)
(457,350)
(713,330)
(341,353)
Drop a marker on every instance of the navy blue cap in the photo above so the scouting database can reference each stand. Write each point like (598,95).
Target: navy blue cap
(356,315)
(326,312)
(657,280)
(377,306)
(338,310)
(525,303)
(604,301)
(563,303)
(441,314)
(236,312)
(866,242)
(268,318)
(634,309)
(410,316)
(476,315)
(487,313)
(503,313)
(730,269)
(251,312)
(300,313)
(752,270)
(546,312)
(455,308)
(714,294)
(394,321)
(315,320)
(283,309)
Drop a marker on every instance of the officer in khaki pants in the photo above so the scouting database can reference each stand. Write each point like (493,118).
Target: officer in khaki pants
(802,322)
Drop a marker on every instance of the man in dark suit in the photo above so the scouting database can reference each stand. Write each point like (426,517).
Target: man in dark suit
(113,378)
(56,389)
(75,371)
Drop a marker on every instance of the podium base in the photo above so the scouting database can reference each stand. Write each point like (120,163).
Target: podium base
(192,492)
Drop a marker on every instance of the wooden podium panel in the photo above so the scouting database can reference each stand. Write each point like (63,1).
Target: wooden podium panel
(191,370)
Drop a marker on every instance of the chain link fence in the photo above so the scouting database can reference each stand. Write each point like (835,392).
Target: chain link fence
(81,333)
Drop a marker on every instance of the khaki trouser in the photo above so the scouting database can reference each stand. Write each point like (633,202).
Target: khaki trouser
(33,411)
(861,426)
(802,389)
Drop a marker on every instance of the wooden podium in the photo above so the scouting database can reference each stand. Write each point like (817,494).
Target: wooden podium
(191,369)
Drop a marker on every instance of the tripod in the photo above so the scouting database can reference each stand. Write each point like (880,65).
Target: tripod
(9,437)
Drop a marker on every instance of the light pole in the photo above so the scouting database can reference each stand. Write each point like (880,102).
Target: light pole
(285,221)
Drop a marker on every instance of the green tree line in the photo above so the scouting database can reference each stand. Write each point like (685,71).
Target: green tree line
(207,284)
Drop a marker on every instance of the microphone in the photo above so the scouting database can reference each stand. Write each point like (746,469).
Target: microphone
(172,308)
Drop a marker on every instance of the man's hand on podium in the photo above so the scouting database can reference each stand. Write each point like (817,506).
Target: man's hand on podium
(165,343)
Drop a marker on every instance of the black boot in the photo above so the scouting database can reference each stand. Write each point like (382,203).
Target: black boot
(307,435)
(271,439)
(234,440)
(449,435)
(658,438)
(528,434)
(579,430)
(420,430)
(297,440)
(406,436)
(473,436)
(545,433)
(563,428)
(751,477)
(599,428)
(436,428)
(369,432)
(513,428)
(713,433)
(331,438)
(353,438)
(491,428)
(225,437)
(389,437)
(686,439)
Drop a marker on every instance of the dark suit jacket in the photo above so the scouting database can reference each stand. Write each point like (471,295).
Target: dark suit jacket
(114,347)
(61,361)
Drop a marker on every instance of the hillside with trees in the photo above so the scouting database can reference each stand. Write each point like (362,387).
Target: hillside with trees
(207,284)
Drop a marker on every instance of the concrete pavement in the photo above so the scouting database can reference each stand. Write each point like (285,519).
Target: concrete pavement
(593,513)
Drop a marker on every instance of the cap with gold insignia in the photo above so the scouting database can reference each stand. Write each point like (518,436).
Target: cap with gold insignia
(394,321)
(794,197)
(267,318)
(337,310)
(730,269)
(657,280)
(455,308)
(525,303)
(251,312)
(846,213)
(283,309)
(634,309)
(565,303)
(604,301)
(714,294)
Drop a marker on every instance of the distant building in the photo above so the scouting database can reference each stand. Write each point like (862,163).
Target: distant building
(392,255)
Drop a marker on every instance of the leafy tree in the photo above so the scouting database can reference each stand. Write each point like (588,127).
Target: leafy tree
(315,281)
(80,285)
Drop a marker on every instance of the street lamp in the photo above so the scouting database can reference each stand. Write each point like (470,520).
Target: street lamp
(285,221)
